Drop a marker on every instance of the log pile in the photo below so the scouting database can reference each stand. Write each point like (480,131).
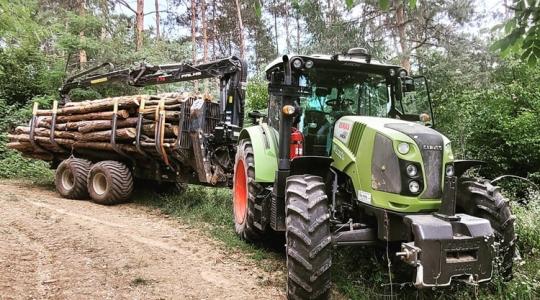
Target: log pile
(88,126)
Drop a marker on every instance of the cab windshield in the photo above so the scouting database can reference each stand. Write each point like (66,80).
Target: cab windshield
(336,95)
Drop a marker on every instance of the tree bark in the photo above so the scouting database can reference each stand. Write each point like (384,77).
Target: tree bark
(405,58)
(89,126)
(105,115)
(82,53)
(139,25)
(205,39)
(47,132)
(122,134)
(92,107)
(297,34)
(158,21)
(171,131)
(287,34)
(194,39)
(275,28)
(240,29)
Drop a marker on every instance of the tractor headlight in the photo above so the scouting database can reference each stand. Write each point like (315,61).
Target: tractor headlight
(402,73)
(309,64)
(449,170)
(414,187)
(403,148)
(297,63)
(412,171)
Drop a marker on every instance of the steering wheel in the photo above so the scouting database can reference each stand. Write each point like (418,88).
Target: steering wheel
(338,103)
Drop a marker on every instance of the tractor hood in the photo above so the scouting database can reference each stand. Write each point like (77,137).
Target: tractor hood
(393,163)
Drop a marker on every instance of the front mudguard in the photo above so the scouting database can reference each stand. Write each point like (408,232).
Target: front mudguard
(265,150)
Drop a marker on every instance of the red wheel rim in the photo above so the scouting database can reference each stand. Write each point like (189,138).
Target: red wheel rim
(240,193)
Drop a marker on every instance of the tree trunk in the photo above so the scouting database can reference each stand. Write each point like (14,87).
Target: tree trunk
(82,53)
(297,33)
(158,33)
(275,29)
(105,115)
(405,58)
(47,132)
(122,134)
(287,35)
(205,39)
(240,29)
(214,29)
(171,131)
(139,25)
(194,39)
(101,106)
(89,126)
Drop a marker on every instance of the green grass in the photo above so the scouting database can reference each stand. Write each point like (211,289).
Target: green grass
(358,272)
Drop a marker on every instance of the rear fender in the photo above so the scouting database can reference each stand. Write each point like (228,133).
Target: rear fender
(265,148)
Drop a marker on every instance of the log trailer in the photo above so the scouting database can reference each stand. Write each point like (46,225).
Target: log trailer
(345,156)
(202,152)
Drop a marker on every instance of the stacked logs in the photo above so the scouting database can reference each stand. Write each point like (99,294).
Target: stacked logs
(87,126)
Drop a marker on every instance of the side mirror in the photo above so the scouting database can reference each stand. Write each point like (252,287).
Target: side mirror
(408,85)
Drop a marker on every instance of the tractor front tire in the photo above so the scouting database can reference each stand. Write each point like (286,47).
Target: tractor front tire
(481,199)
(309,249)
(70,178)
(110,182)
(245,191)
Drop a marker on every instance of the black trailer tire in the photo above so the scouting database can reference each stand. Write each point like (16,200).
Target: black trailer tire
(481,199)
(110,182)
(71,177)
(309,249)
(245,191)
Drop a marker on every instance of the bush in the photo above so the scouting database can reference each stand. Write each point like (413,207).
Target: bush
(13,165)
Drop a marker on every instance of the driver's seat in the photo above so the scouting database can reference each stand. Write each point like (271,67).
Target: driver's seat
(315,131)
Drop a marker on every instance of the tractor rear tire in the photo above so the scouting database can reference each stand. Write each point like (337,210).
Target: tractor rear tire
(245,191)
(481,199)
(70,178)
(309,249)
(110,182)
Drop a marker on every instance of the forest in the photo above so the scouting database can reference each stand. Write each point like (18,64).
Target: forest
(481,58)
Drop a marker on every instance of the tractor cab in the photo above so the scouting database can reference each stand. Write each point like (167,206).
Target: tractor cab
(329,87)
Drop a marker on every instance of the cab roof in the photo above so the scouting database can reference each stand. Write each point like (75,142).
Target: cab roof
(333,61)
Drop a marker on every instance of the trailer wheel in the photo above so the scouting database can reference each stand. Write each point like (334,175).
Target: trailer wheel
(481,199)
(309,253)
(70,178)
(110,182)
(245,190)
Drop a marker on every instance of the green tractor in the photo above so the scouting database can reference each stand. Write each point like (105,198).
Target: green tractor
(347,156)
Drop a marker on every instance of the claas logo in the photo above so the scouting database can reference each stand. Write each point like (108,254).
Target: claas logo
(344,126)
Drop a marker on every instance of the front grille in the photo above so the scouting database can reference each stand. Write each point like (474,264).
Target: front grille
(385,172)
(431,146)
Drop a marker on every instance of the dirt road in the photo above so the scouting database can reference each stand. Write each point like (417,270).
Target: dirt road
(52,248)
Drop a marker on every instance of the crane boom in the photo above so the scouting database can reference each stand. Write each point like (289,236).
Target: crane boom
(231,71)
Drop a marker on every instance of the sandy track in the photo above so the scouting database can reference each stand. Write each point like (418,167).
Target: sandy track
(52,248)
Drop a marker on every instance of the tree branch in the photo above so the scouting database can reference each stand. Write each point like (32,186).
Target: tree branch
(155,11)
(125,4)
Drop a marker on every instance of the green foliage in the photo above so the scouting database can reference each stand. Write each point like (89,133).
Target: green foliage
(13,165)
(522,32)
(493,116)
(256,95)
